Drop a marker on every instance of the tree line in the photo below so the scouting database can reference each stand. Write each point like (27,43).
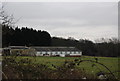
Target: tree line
(24,37)
(90,48)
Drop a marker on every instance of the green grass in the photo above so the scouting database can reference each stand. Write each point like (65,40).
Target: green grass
(110,62)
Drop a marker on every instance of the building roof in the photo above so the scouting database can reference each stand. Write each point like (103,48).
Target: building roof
(55,49)
(17,47)
(38,48)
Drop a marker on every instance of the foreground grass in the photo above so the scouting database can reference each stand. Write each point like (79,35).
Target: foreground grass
(87,66)
(110,62)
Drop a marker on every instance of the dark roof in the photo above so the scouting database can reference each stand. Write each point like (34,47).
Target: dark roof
(18,47)
(55,49)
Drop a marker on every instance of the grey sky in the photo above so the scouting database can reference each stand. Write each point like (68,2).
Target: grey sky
(89,20)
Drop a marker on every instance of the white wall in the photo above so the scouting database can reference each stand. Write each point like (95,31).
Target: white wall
(39,54)
(62,54)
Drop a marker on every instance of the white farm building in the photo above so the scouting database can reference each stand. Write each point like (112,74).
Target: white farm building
(42,51)
(58,51)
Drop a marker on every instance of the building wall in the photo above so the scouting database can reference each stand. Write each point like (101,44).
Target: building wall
(60,53)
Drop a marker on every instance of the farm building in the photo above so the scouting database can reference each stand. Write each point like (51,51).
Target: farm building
(18,50)
(42,51)
(58,51)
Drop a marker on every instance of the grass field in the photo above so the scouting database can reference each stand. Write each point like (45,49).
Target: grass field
(110,62)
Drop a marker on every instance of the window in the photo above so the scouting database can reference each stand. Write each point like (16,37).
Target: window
(63,52)
(58,52)
(38,52)
(48,52)
(43,52)
(68,52)
(53,52)
(77,52)
(72,52)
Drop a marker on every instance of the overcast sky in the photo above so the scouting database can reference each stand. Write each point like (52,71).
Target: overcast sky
(90,20)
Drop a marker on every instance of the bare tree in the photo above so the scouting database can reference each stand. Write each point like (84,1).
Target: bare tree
(6,19)
(114,40)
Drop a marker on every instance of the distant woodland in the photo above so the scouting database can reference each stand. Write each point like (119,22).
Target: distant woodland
(30,37)
(25,37)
